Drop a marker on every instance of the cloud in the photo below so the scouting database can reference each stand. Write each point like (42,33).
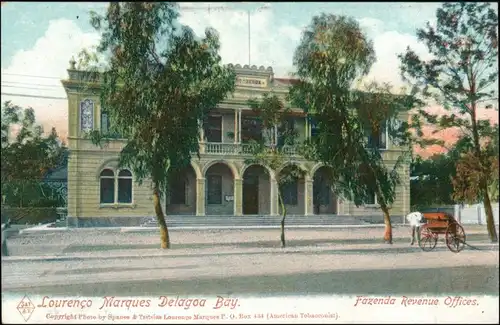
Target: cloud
(270,45)
(49,57)
(388,44)
(371,25)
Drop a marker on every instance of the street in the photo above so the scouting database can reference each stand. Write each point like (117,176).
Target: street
(246,262)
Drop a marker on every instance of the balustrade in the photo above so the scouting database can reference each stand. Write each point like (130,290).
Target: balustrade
(236,149)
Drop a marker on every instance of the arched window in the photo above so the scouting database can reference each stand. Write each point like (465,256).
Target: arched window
(107,179)
(124,186)
(87,115)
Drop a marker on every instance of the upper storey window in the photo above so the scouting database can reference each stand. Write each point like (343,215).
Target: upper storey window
(87,115)
(379,139)
(213,129)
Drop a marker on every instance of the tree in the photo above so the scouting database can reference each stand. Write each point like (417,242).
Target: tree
(467,180)
(435,180)
(160,82)
(377,110)
(332,57)
(26,156)
(272,114)
(461,76)
(431,182)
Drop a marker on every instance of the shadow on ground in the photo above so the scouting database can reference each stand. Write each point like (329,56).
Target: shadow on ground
(246,244)
(481,280)
(95,270)
(367,251)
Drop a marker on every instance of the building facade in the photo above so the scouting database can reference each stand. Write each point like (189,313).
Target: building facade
(220,182)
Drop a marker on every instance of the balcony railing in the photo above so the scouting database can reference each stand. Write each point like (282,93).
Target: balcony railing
(216,148)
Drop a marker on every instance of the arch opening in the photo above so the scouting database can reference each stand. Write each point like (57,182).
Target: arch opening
(219,190)
(292,189)
(256,191)
(181,194)
(324,200)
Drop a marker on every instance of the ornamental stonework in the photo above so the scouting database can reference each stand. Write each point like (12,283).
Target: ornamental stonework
(87,115)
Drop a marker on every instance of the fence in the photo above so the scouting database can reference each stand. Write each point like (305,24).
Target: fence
(474,213)
(29,215)
(471,214)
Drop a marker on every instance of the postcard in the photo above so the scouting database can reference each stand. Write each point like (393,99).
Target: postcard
(248,162)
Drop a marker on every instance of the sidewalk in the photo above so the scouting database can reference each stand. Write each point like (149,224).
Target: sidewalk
(372,248)
(43,242)
(49,228)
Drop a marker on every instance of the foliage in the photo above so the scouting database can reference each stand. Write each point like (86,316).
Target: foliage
(27,155)
(28,215)
(434,178)
(316,58)
(467,181)
(272,113)
(464,65)
(461,75)
(161,81)
(431,181)
(332,58)
(268,151)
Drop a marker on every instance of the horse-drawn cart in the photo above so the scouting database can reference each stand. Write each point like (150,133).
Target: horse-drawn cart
(437,223)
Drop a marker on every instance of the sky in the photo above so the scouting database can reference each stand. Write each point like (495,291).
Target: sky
(39,39)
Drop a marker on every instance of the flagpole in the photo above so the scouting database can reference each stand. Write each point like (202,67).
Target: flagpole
(249,37)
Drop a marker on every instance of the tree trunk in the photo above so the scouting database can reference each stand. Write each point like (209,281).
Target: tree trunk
(283,217)
(5,251)
(164,237)
(490,220)
(388,225)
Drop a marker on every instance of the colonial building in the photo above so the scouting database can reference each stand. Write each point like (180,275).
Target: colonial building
(220,182)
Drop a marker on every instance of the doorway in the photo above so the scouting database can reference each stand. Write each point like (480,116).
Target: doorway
(251,194)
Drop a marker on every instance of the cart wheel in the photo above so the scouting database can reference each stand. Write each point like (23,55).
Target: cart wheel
(428,239)
(455,237)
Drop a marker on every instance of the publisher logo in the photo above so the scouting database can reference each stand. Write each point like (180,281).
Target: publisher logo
(26,308)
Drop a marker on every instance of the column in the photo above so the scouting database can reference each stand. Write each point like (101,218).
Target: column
(274,197)
(236,128)
(405,203)
(201,131)
(238,197)
(275,135)
(308,196)
(200,196)
(239,126)
(202,137)
(308,134)
(340,205)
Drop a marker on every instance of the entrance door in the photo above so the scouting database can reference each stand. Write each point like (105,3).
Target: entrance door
(251,194)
